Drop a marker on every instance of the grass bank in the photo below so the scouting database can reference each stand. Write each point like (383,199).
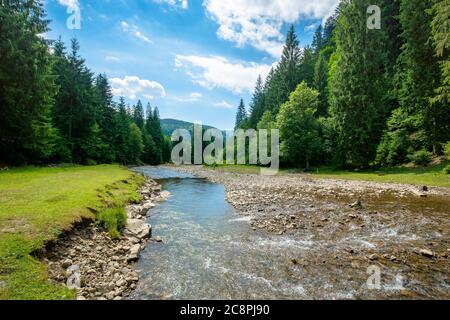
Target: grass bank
(423,176)
(37,204)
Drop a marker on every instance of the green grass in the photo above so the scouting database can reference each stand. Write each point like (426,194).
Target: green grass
(113,219)
(37,204)
(422,176)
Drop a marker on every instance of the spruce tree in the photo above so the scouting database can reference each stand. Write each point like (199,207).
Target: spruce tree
(138,115)
(241,115)
(27,85)
(357,85)
(257,104)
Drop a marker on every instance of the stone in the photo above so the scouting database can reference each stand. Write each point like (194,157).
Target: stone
(137,228)
(373,257)
(66,263)
(356,205)
(427,253)
(158,239)
(134,253)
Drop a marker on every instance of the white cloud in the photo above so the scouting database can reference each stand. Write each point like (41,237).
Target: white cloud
(259,22)
(217,72)
(112,58)
(193,97)
(135,32)
(133,87)
(182,3)
(70,4)
(224,104)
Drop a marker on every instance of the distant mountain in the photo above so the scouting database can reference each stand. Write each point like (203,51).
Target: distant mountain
(168,126)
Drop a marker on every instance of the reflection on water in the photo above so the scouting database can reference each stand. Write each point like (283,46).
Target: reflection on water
(208,250)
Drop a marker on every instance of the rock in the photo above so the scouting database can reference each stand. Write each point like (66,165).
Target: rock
(145,208)
(425,188)
(134,253)
(356,205)
(121,283)
(427,253)
(137,228)
(118,298)
(158,239)
(72,270)
(373,257)
(66,263)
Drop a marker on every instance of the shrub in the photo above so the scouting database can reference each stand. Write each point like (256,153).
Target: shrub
(447,169)
(420,158)
(113,219)
(447,150)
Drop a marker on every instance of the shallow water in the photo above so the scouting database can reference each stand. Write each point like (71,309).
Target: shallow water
(211,252)
(208,250)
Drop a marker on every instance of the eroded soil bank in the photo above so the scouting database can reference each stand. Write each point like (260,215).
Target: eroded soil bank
(350,229)
(99,267)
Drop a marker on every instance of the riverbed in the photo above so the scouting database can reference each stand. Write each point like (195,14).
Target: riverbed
(252,237)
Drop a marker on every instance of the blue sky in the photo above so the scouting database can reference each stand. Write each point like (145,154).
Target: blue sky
(194,59)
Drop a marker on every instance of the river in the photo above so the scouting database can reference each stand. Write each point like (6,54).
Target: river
(208,251)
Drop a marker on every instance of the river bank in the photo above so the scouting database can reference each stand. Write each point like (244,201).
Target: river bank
(41,206)
(348,227)
(87,259)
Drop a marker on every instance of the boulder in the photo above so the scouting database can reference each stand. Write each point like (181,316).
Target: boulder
(137,228)
(134,253)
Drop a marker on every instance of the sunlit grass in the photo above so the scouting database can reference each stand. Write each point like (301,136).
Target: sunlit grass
(36,204)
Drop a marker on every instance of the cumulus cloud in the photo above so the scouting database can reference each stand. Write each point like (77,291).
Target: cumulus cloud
(134,87)
(181,3)
(135,32)
(259,22)
(70,4)
(218,72)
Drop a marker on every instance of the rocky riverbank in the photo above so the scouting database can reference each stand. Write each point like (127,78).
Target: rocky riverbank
(98,267)
(347,227)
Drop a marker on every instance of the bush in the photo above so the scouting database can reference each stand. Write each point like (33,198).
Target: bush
(420,158)
(447,169)
(113,219)
(447,150)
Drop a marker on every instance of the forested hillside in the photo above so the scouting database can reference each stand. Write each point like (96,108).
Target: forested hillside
(357,96)
(54,109)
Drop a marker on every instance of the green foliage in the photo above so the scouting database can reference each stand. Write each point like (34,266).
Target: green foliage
(136,145)
(299,129)
(241,116)
(27,87)
(113,219)
(421,158)
(447,150)
(358,85)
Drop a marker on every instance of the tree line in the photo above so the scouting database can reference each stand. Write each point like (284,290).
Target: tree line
(359,97)
(54,109)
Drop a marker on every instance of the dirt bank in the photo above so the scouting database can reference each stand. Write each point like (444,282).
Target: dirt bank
(88,260)
(349,226)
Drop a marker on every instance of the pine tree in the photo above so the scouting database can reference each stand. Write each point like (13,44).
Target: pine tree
(290,61)
(138,115)
(257,104)
(357,85)
(27,86)
(241,115)
(318,41)
(122,133)
(321,84)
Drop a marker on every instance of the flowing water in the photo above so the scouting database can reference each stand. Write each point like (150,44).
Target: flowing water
(211,252)
(208,251)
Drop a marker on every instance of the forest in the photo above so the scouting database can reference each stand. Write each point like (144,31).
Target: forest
(358,97)
(355,97)
(55,110)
